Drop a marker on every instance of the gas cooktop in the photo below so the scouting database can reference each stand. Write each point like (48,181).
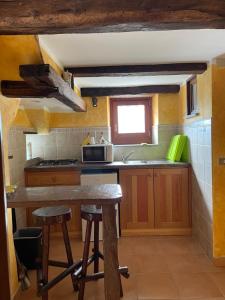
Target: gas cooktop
(57,162)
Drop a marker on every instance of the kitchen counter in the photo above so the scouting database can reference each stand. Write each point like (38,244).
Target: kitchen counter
(114,165)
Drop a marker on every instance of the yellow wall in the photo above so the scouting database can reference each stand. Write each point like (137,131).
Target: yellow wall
(42,120)
(17,50)
(8,110)
(21,119)
(204,94)
(168,108)
(14,51)
(218,142)
(93,117)
(39,119)
(165,111)
(155,109)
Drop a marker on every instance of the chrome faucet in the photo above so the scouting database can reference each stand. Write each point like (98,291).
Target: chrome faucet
(125,157)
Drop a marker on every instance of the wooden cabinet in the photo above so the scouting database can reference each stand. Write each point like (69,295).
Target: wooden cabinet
(52,178)
(49,178)
(171,194)
(155,201)
(137,206)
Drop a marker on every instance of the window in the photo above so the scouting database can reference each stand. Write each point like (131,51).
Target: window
(130,120)
(192,101)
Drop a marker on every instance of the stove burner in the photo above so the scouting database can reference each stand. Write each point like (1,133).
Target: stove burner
(57,162)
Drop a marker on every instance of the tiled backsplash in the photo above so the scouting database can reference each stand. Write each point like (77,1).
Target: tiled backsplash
(63,143)
(162,135)
(199,134)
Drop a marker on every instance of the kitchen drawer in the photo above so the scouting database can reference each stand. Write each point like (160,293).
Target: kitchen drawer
(52,178)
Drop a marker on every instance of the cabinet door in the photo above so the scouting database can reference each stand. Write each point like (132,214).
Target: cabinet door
(137,206)
(55,178)
(171,194)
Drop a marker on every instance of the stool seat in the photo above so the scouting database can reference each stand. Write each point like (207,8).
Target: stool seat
(52,215)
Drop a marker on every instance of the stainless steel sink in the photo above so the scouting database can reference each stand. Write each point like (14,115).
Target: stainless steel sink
(135,162)
(140,162)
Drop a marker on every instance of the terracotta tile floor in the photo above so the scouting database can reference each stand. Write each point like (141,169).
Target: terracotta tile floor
(161,268)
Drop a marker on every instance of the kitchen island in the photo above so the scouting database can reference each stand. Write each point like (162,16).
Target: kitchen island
(107,196)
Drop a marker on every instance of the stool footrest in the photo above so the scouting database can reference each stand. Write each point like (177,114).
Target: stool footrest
(122,270)
(43,288)
(59,264)
(90,261)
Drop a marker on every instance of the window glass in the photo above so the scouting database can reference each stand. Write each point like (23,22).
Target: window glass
(131,119)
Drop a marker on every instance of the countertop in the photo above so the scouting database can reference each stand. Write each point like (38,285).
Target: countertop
(65,195)
(32,167)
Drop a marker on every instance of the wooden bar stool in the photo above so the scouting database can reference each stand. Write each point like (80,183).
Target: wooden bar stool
(47,217)
(92,215)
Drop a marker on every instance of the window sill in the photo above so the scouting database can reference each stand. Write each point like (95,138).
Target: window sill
(194,114)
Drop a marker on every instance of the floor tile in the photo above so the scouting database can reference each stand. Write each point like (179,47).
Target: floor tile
(191,263)
(219,279)
(145,246)
(196,285)
(149,263)
(156,286)
(171,268)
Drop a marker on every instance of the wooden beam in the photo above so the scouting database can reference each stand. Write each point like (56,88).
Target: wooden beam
(21,89)
(134,90)
(4,251)
(45,76)
(67,16)
(140,70)
(39,75)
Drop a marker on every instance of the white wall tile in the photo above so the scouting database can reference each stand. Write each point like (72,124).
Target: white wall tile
(199,134)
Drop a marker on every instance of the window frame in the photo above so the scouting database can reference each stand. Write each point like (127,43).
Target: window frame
(192,106)
(131,138)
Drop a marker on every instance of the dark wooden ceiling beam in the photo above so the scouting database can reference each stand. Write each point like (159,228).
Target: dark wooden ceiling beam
(44,76)
(134,90)
(21,89)
(41,81)
(140,70)
(67,16)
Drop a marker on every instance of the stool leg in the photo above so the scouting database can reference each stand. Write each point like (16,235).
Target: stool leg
(96,246)
(85,259)
(45,256)
(121,288)
(69,252)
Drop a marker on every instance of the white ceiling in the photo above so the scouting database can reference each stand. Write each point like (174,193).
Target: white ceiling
(149,47)
(99,49)
(129,80)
